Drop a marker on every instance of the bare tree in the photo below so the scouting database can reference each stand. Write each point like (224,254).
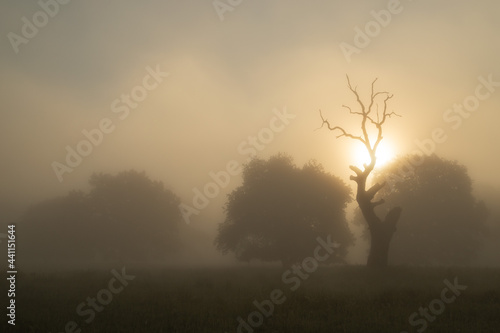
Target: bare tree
(381,230)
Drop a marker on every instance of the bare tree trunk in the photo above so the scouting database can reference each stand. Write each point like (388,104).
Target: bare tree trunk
(379,248)
(381,231)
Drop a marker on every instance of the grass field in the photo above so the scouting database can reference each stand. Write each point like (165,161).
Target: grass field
(331,299)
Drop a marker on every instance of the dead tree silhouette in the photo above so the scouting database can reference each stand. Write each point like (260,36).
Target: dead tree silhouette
(381,230)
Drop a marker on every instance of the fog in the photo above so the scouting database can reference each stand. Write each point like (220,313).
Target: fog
(219,82)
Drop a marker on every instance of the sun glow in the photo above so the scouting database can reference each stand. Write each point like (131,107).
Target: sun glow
(384,154)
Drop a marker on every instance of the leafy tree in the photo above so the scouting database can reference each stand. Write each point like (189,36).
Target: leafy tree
(280,210)
(139,217)
(491,249)
(442,222)
(58,231)
(125,217)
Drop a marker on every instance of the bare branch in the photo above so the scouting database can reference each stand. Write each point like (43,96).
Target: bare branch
(382,230)
(350,111)
(388,115)
(324,121)
(374,189)
(377,121)
(343,132)
(373,84)
(372,96)
(355,92)
(372,120)
(356,170)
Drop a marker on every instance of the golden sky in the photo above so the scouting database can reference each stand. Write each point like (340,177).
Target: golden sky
(225,78)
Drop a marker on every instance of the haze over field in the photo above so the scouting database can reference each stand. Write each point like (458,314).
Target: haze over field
(215,77)
(250,166)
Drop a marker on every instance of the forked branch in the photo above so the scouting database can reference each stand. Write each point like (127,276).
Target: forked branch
(367,116)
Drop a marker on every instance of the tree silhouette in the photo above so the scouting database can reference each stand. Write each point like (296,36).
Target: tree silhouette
(139,217)
(280,210)
(443,223)
(381,230)
(124,218)
(489,253)
(58,231)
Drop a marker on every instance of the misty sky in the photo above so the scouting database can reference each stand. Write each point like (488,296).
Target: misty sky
(226,78)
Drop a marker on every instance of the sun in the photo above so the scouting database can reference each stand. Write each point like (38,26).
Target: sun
(360,156)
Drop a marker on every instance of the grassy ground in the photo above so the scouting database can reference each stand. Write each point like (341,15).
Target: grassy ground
(338,299)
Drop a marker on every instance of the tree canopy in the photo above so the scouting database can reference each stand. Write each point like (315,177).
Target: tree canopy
(280,210)
(125,217)
(489,253)
(442,222)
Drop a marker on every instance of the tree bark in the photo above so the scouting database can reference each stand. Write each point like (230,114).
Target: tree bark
(379,250)
(381,231)
(381,235)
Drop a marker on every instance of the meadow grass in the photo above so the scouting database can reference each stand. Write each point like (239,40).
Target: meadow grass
(331,299)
